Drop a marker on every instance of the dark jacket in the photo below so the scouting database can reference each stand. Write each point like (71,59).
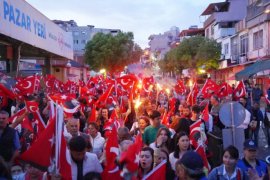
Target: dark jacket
(7,143)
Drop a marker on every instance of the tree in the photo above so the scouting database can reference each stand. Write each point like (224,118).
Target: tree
(193,52)
(111,52)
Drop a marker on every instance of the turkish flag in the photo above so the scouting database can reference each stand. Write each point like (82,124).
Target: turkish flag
(39,154)
(224,90)
(92,117)
(29,85)
(25,123)
(32,107)
(195,133)
(191,98)
(112,151)
(239,91)
(205,113)
(158,172)
(147,82)
(209,88)
(180,87)
(131,157)
(127,81)
(102,101)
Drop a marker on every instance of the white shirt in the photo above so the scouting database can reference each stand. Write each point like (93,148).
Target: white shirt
(225,174)
(172,160)
(90,164)
(97,144)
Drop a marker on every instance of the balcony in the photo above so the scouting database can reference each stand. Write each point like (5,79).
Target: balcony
(223,32)
(209,20)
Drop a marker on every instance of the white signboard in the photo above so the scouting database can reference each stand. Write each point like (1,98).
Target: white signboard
(19,20)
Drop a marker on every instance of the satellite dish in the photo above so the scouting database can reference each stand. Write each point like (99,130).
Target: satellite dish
(232,114)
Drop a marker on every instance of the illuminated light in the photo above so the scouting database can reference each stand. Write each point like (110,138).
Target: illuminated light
(201,71)
(137,103)
(102,71)
(150,87)
(167,90)
(139,84)
(190,83)
(267,11)
(159,86)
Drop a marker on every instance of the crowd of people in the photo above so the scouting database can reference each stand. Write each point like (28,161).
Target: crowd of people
(165,122)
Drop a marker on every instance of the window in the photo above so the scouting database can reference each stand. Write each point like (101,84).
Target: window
(226,48)
(258,40)
(75,41)
(83,41)
(243,45)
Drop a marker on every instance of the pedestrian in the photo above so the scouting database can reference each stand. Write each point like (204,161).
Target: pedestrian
(9,139)
(256,94)
(228,170)
(250,161)
(82,162)
(150,132)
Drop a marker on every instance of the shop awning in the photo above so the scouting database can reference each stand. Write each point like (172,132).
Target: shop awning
(253,69)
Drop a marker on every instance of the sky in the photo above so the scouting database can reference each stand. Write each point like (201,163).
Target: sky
(142,17)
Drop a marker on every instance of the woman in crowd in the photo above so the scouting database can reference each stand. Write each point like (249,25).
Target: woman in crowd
(163,140)
(138,127)
(161,155)
(228,170)
(182,146)
(146,162)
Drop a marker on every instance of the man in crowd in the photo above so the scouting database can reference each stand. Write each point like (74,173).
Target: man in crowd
(9,139)
(82,162)
(150,132)
(250,161)
(73,127)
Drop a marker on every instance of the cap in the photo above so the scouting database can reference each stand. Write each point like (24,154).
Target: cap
(250,144)
(192,161)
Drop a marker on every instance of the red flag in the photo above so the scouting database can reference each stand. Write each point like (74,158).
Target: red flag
(224,90)
(6,91)
(180,87)
(239,91)
(158,172)
(112,151)
(209,88)
(191,98)
(131,157)
(127,81)
(103,98)
(200,150)
(147,82)
(32,107)
(164,120)
(25,123)
(205,113)
(42,146)
(92,117)
(195,133)
(29,85)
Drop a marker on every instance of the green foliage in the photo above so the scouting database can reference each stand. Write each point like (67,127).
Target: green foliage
(111,52)
(193,52)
